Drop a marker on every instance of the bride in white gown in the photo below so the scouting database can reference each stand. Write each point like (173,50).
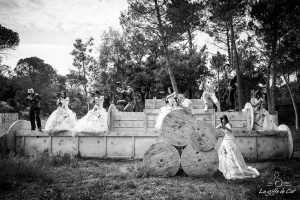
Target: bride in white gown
(96,119)
(262,120)
(62,118)
(231,161)
(170,104)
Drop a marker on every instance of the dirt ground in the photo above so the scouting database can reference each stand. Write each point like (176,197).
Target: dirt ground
(120,179)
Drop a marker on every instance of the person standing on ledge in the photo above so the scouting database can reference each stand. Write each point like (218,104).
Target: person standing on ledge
(209,92)
(232,86)
(34,108)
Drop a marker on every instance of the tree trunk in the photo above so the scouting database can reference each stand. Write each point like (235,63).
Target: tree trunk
(219,86)
(84,87)
(165,45)
(294,103)
(273,76)
(268,86)
(113,98)
(237,66)
(272,92)
(228,45)
(190,41)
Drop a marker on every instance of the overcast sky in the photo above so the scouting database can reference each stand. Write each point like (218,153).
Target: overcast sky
(48,28)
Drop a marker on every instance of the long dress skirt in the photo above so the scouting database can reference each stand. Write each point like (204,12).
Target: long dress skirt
(232,163)
(94,121)
(61,119)
(163,112)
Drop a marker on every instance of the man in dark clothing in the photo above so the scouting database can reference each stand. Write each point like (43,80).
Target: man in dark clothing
(232,89)
(34,109)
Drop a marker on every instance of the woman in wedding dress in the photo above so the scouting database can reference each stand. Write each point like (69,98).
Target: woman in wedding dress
(262,119)
(170,104)
(260,116)
(231,161)
(62,118)
(96,119)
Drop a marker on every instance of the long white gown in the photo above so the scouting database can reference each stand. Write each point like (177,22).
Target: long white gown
(262,118)
(231,161)
(95,120)
(62,118)
(164,111)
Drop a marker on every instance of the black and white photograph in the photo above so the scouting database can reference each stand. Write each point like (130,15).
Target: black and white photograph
(149,99)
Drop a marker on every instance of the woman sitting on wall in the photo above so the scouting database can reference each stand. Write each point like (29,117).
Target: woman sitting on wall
(170,104)
(261,117)
(184,103)
(62,118)
(96,119)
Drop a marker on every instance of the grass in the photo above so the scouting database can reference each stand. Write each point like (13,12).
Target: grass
(66,177)
(14,167)
(110,179)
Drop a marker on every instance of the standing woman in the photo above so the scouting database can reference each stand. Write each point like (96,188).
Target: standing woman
(231,161)
(62,118)
(96,119)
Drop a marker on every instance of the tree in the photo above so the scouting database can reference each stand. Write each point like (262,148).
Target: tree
(112,63)
(231,16)
(289,59)
(187,17)
(142,80)
(36,72)
(269,18)
(5,70)
(7,89)
(149,17)
(83,62)
(217,63)
(277,23)
(8,39)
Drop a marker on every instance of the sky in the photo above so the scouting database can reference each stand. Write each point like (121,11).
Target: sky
(48,28)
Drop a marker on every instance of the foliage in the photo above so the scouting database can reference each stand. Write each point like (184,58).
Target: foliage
(35,72)
(112,64)
(187,17)
(157,43)
(7,89)
(8,39)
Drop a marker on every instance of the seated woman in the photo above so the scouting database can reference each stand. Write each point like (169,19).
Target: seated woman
(170,104)
(184,103)
(96,119)
(62,118)
(262,119)
(231,161)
